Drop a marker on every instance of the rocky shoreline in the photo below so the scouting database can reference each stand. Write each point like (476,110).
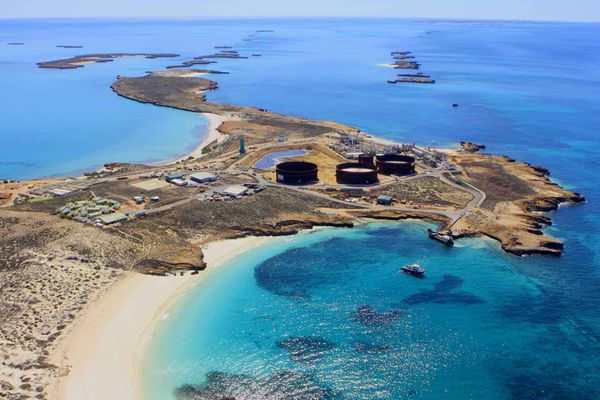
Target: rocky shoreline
(515,210)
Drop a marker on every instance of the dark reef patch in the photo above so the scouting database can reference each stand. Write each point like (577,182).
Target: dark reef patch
(444,292)
(285,385)
(365,315)
(306,349)
(364,347)
(448,282)
(297,271)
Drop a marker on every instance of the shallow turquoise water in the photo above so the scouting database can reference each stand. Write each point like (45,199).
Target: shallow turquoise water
(479,326)
(331,306)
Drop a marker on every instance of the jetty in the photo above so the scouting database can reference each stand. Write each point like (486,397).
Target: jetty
(444,237)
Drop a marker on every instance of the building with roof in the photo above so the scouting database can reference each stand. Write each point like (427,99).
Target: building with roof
(59,192)
(384,200)
(203,177)
(113,218)
(178,182)
(236,190)
(175,175)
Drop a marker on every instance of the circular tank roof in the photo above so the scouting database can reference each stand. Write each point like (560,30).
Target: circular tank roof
(356,167)
(296,166)
(395,158)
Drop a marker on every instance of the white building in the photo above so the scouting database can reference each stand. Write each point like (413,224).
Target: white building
(236,190)
(178,182)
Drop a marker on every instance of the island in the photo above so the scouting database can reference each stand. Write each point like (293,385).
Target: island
(67,240)
(405,60)
(81,60)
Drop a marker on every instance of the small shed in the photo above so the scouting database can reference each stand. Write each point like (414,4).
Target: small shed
(384,200)
(139,199)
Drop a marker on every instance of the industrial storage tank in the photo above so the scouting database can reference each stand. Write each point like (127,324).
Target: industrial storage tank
(356,173)
(396,164)
(365,158)
(296,172)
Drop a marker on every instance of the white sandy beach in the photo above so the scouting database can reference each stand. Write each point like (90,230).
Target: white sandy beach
(101,353)
(214,121)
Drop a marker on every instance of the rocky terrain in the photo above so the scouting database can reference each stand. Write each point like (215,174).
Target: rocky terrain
(518,196)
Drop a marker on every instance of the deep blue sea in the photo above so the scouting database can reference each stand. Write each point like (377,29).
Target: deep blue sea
(327,315)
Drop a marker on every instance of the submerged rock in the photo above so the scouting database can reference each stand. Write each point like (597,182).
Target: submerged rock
(306,348)
(284,385)
(444,292)
(367,316)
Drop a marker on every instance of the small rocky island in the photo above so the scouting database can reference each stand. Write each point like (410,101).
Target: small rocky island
(82,60)
(405,60)
(413,78)
(209,58)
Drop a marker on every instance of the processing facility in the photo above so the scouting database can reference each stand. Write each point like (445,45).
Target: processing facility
(296,172)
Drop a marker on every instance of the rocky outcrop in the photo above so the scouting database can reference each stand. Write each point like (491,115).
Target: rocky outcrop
(396,215)
(162,268)
(471,147)
(287,227)
(518,196)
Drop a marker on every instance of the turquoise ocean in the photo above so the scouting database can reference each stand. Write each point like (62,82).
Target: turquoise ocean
(326,314)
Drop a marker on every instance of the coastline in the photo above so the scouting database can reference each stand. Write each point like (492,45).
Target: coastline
(213,134)
(99,357)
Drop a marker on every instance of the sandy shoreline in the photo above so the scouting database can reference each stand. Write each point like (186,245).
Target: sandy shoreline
(100,356)
(214,121)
